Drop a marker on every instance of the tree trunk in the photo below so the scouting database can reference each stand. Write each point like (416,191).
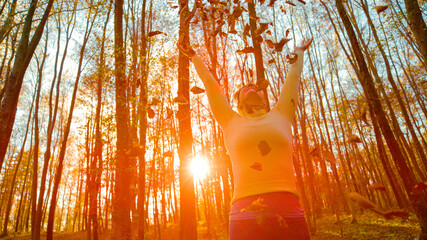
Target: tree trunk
(418,26)
(188,224)
(121,198)
(24,53)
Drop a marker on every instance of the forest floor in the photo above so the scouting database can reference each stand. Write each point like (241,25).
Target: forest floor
(369,227)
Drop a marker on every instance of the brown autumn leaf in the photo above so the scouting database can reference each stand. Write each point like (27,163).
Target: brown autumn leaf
(259,38)
(271,61)
(278,47)
(354,139)
(154,33)
(150,112)
(268,32)
(366,204)
(302,1)
(154,101)
(247,30)
(270,43)
(169,113)
(197,90)
(287,32)
(245,50)
(262,28)
(271,4)
(261,2)
(314,152)
(237,12)
(290,3)
(174,7)
(292,58)
(257,166)
(380,8)
(263,146)
(256,206)
(377,186)
(421,186)
(282,9)
(180,100)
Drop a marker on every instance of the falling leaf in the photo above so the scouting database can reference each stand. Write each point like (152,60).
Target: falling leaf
(256,206)
(421,186)
(271,4)
(169,113)
(314,152)
(261,2)
(292,58)
(257,166)
(174,7)
(256,18)
(154,101)
(135,151)
(271,61)
(363,116)
(237,12)
(354,139)
(180,100)
(381,8)
(287,32)
(282,9)
(262,28)
(245,50)
(270,43)
(150,112)
(259,39)
(168,154)
(377,186)
(268,32)
(264,148)
(154,33)
(290,3)
(246,30)
(302,1)
(282,222)
(278,47)
(197,90)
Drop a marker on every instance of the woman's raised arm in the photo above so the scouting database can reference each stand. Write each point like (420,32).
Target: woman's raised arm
(288,99)
(220,107)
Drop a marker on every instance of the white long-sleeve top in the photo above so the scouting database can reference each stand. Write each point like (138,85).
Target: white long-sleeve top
(260,148)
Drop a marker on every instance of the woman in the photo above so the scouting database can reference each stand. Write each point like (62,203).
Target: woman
(265,204)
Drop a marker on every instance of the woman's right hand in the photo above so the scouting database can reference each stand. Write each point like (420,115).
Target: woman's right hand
(184,47)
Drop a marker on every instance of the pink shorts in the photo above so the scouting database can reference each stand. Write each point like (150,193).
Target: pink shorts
(278,216)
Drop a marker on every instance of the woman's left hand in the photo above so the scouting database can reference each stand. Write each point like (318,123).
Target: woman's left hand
(304,45)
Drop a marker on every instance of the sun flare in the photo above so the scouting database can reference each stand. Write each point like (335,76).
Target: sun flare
(199,167)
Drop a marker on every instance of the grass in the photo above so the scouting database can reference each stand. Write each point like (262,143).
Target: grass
(369,227)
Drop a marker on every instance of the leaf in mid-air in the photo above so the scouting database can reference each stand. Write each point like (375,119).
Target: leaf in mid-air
(180,100)
(197,90)
(290,3)
(150,112)
(292,58)
(245,50)
(154,33)
(381,8)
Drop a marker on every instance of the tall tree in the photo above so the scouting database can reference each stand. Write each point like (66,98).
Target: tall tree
(188,222)
(121,198)
(13,85)
(418,26)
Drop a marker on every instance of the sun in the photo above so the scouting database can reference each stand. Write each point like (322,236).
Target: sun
(199,167)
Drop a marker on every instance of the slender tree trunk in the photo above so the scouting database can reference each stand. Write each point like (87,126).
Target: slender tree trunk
(121,198)
(188,224)
(418,26)
(24,53)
